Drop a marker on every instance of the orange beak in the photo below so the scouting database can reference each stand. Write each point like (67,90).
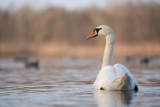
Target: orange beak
(94,34)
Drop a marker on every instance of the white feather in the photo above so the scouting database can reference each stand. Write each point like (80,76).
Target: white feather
(113,77)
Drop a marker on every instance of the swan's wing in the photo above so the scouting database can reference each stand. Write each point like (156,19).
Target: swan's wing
(123,83)
(121,70)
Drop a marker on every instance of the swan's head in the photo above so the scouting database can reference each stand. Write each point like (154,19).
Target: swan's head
(102,30)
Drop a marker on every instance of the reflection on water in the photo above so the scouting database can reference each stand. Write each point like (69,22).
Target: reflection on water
(68,82)
(114,98)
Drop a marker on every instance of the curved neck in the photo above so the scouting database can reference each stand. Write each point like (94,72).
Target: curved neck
(108,52)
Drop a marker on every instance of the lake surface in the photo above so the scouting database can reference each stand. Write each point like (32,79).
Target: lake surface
(67,82)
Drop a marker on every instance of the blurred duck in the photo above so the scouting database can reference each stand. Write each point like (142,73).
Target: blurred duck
(110,77)
(144,60)
(32,64)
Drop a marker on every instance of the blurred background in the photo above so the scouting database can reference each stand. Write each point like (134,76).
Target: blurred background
(47,28)
(46,60)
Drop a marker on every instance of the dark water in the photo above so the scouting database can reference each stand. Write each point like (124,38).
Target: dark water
(68,82)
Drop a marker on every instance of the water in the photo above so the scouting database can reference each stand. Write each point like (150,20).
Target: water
(61,82)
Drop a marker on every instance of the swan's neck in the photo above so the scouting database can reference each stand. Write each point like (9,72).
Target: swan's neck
(108,52)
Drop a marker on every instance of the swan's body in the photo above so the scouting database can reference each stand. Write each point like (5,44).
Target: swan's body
(116,77)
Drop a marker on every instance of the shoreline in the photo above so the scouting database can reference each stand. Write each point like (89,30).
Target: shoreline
(56,50)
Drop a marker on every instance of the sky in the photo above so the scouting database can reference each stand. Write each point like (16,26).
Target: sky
(67,4)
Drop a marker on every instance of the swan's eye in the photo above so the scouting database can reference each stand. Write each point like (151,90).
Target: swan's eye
(97,29)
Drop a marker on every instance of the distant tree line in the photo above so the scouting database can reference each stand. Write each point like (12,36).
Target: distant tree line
(131,23)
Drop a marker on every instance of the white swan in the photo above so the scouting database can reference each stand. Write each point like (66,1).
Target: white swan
(116,77)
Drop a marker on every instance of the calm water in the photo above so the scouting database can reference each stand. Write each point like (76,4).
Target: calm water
(68,82)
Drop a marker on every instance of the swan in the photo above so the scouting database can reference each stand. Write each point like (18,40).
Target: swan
(116,77)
